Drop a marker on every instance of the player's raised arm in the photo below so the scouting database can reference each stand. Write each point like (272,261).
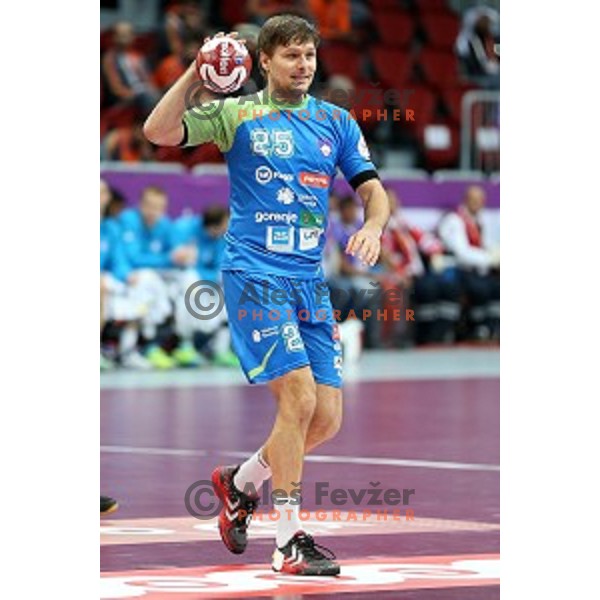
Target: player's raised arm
(165,125)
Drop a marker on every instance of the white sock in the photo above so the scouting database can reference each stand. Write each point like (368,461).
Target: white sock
(252,474)
(289,520)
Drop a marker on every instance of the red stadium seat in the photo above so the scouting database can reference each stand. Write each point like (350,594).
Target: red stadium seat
(146,44)
(341,59)
(394,67)
(106,38)
(423,102)
(366,102)
(395,28)
(440,145)
(389,5)
(120,115)
(440,68)
(433,7)
(441,30)
(233,12)
(206,153)
(452,99)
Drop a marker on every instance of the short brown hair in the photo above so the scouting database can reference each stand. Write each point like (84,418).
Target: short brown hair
(282,30)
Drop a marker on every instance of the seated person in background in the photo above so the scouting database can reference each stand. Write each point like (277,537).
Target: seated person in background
(416,260)
(173,66)
(127,144)
(146,232)
(116,204)
(125,72)
(475,46)
(477,266)
(332,17)
(121,292)
(351,284)
(185,22)
(205,234)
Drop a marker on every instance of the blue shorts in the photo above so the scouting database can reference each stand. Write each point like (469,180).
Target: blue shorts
(279,324)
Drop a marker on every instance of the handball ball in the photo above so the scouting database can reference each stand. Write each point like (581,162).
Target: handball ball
(223,64)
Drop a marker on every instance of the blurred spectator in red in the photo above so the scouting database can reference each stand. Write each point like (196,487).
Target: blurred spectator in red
(260,10)
(332,17)
(127,144)
(475,45)
(125,72)
(415,259)
(185,22)
(477,265)
(172,67)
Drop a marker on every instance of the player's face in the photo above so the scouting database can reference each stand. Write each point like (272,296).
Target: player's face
(153,207)
(292,68)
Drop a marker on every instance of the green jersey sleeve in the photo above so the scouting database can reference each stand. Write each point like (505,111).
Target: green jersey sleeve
(214,121)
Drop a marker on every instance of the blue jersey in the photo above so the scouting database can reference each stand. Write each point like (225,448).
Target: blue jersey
(112,254)
(211,250)
(282,161)
(146,247)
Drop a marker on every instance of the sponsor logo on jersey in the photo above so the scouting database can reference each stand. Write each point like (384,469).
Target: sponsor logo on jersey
(363,149)
(325,147)
(274,217)
(310,219)
(285,195)
(309,237)
(308,200)
(280,238)
(315,180)
(265,174)
(261,334)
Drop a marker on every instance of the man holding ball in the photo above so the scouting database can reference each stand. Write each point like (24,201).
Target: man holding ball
(283,148)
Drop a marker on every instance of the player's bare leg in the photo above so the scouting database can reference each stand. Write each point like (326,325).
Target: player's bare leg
(327,418)
(296,395)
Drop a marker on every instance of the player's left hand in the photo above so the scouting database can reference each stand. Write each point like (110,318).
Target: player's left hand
(366,244)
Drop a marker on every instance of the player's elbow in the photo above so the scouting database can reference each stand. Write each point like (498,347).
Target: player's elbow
(153,132)
(156,133)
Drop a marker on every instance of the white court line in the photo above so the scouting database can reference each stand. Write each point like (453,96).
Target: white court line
(354,460)
(152,451)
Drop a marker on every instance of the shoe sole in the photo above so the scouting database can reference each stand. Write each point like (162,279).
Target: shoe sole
(217,486)
(331,572)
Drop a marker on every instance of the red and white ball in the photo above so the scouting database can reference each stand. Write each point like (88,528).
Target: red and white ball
(223,64)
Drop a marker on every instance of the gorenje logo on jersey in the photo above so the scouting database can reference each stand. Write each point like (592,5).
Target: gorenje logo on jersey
(273,217)
(265,174)
(316,180)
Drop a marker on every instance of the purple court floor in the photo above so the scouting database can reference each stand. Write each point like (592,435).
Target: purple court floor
(424,421)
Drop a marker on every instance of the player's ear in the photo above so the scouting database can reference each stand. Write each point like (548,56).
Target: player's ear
(265,61)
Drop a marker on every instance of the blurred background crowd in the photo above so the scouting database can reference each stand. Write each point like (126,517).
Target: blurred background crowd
(426,55)
(445,269)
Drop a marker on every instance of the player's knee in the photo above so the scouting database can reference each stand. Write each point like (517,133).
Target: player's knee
(298,397)
(330,427)
(328,423)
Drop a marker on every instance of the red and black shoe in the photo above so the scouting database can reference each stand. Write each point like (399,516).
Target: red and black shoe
(301,556)
(236,514)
